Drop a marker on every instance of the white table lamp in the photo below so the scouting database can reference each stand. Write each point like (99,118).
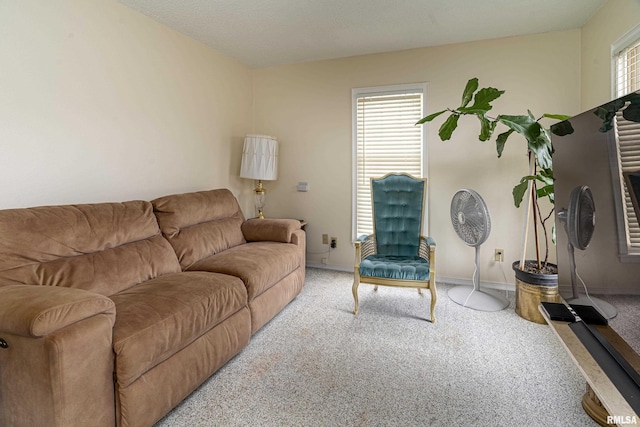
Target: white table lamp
(260,161)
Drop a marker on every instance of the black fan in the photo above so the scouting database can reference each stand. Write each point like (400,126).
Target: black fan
(580,223)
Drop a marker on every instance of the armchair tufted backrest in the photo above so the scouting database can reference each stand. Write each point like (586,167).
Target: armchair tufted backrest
(398,206)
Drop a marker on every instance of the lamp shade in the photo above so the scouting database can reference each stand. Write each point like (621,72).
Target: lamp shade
(259,158)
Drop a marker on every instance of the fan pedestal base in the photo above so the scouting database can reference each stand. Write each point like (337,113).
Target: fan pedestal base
(606,309)
(481,300)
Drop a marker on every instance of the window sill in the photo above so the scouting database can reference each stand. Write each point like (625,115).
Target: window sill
(629,258)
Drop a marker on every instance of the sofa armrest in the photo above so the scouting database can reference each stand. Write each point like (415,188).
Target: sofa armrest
(269,229)
(36,311)
(57,359)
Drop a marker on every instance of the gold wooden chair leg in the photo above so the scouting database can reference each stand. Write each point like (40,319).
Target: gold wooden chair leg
(433,303)
(354,289)
(420,291)
(375,288)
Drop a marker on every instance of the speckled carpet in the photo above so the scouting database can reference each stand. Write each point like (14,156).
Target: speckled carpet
(316,364)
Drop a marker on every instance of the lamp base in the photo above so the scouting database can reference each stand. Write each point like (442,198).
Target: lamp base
(260,196)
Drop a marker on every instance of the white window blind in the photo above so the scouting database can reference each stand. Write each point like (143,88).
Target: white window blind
(386,139)
(628,142)
(626,58)
(628,69)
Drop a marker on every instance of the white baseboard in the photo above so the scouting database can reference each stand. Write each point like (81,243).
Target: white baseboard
(330,267)
(439,279)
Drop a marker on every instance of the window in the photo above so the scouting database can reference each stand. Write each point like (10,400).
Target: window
(626,79)
(628,68)
(628,150)
(385,139)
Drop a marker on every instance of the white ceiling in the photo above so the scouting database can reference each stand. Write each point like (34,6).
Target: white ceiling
(263,33)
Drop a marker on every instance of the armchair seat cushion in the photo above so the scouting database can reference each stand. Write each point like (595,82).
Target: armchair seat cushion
(395,267)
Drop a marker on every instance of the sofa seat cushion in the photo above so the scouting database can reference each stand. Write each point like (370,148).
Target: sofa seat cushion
(395,267)
(260,265)
(158,318)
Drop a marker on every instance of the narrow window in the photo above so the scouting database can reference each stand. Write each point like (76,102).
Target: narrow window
(626,79)
(385,139)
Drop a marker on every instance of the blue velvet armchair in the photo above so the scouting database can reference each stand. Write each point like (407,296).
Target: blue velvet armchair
(397,254)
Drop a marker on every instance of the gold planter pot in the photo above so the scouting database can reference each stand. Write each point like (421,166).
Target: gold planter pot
(531,290)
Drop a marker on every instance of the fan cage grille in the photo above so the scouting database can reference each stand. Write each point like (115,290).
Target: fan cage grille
(470,217)
(581,217)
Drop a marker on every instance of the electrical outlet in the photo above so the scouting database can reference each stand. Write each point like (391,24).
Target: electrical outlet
(325,239)
(499,255)
(334,242)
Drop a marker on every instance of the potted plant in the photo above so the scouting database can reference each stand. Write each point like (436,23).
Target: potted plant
(537,184)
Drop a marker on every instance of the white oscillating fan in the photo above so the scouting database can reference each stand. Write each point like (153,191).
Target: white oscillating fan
(579,223)
(470,219)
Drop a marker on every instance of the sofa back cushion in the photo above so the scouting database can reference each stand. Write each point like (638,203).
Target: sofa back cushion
(104,248)
(200,224)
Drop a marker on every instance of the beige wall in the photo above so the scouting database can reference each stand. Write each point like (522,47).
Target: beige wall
(610,23)
(308,107)
(99,102)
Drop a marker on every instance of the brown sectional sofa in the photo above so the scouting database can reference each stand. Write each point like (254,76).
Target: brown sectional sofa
(112,313)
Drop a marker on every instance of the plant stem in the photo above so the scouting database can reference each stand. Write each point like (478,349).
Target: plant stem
(534,198)
(535,223)
(544,228)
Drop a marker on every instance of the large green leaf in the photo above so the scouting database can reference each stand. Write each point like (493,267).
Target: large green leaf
(607,112)
(562,128)
(430,117)
(545,176)
(556,116)
(486,127)
(519,191)
(527,126)
(467,95)
(545,191)
(544,149)
(537,137)
(501,140)
(481,101)
(632,112)
(448,127)
(541,146)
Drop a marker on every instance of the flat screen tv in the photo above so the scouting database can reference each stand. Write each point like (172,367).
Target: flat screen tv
(603,153)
